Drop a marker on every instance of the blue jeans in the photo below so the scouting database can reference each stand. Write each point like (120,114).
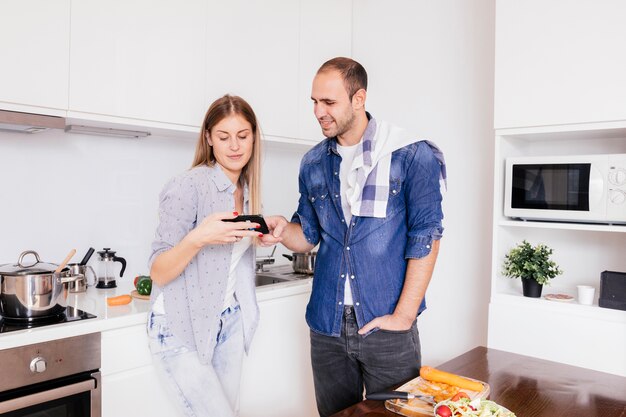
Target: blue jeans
(343,365)
(201,390)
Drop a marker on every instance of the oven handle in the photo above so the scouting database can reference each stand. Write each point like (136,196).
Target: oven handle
(45,396)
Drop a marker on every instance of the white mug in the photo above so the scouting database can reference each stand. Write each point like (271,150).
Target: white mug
(586,294)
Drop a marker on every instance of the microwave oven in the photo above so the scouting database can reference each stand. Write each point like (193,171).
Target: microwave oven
(576,188)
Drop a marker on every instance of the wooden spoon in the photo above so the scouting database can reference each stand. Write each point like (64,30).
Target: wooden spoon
(65,261)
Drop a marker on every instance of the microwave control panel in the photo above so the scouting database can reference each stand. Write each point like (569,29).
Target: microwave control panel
(617,186)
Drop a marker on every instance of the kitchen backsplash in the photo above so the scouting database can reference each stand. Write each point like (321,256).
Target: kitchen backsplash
(62,191)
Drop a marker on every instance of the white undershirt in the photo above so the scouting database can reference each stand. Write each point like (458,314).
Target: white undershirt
(347,154)
(239,248)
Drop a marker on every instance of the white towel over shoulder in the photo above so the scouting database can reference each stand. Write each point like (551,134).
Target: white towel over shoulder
(368,177)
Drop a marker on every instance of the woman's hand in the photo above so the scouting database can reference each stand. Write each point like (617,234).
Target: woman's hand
(213,231)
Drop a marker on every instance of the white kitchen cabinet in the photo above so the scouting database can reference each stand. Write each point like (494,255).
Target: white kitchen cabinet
(559,62)
(277,380)
(139,392)
(580,335)
(325,33)
(35,55)
(130,383)
(276,377)
(252,51)
(273,49)
(138,60)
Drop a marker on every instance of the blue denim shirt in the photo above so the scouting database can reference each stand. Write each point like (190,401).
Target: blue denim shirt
(372,252)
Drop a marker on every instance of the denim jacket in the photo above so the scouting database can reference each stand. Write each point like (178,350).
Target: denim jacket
(372,252)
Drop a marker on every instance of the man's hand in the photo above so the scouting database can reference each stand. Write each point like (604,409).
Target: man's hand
(277,225)
(388,322)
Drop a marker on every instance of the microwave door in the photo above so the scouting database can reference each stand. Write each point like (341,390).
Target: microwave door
(551,187)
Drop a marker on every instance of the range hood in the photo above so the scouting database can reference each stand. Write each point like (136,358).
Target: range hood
(13,121)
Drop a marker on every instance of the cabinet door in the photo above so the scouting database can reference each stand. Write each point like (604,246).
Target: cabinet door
(252,50)
(139,59)
(140,392)
(34,47)
(559,62)
(325,33)
(277,379)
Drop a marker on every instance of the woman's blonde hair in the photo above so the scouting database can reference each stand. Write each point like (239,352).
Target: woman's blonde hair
(251,173)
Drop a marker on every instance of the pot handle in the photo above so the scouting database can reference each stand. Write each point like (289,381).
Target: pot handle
(28,252)
(63,280)
(288,257)
(95,277)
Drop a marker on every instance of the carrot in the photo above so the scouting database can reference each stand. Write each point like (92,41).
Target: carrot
(119,300)
(436,375)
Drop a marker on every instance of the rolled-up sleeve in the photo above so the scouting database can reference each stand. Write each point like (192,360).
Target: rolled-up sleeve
(305,214)
(423,193)
(178,206)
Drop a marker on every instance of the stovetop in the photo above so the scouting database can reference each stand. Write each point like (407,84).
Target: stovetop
(283,271)
(71,314)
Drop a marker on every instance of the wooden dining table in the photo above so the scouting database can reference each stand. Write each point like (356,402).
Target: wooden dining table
(529,387)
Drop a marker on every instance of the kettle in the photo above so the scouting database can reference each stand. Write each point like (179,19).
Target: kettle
(106,268)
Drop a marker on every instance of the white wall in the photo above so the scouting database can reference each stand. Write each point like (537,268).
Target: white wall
(430,67)
(62,191)
(431,70)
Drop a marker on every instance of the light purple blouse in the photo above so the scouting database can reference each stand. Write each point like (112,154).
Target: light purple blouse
(194,300)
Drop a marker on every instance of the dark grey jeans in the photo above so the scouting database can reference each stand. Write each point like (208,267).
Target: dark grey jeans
(343,365)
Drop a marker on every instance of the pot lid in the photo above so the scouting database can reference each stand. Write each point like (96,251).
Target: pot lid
(28,267)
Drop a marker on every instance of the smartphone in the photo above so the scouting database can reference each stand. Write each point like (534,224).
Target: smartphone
(255,218)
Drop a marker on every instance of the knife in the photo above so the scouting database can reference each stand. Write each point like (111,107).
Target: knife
(403,395)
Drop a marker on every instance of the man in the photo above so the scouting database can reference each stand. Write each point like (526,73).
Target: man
(370,196)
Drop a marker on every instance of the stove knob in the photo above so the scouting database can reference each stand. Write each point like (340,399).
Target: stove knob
(38,365)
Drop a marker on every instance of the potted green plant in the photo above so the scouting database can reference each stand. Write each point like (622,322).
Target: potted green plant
(533,265)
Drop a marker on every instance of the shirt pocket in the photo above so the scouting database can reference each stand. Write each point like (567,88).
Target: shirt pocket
(395,203)
(320,200)
(395,187)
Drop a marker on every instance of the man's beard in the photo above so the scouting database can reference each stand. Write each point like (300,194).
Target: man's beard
(341,127)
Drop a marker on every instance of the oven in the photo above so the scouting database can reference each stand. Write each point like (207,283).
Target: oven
(59,378)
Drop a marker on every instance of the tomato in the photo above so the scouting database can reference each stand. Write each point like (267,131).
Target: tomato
(444,411)
(459,395)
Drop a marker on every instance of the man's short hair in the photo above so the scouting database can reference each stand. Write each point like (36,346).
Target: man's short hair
(353,74)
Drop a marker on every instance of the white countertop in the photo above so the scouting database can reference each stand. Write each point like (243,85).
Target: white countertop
(108,318)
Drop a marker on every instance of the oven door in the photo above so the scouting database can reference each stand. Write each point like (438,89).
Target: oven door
(74,396)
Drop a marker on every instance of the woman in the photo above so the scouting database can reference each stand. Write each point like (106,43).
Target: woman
(204,310)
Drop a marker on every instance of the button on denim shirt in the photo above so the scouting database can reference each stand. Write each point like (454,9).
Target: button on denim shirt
(194,300)
(372,252)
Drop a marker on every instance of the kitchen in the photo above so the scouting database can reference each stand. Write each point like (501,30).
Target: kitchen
(111,64)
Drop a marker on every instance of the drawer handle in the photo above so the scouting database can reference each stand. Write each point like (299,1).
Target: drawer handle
(45,396)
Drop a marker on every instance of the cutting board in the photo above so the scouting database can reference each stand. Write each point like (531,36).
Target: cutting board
(419,408)
(138,296)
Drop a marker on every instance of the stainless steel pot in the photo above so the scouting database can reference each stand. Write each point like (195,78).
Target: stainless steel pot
(35,290)
(302,263)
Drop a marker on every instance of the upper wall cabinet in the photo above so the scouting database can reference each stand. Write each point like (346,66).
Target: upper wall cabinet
(139,59)
(252,48)
(268,52)
(35,55)
(325,33)
(559,62)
